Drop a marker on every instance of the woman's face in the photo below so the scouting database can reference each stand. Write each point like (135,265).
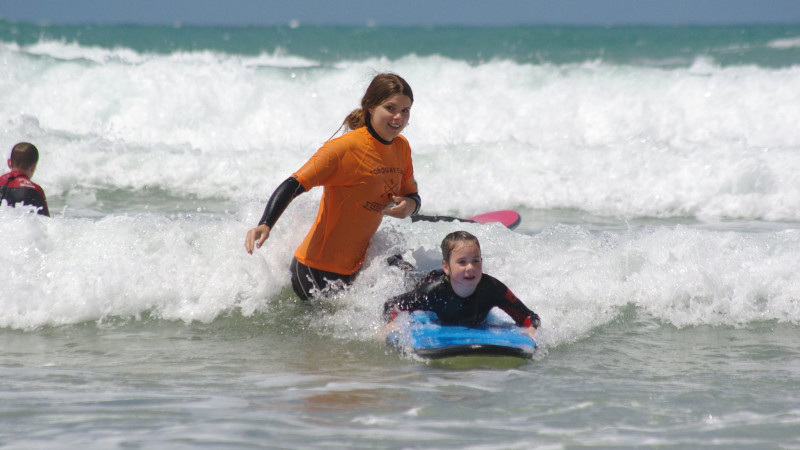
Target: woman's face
(464,268)
(390,117)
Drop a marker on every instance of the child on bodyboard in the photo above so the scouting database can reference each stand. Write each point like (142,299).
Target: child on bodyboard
(460,293)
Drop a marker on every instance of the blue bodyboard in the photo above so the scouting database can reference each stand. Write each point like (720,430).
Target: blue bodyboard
(421,334)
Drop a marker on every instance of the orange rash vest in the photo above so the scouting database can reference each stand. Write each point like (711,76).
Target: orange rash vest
(360,176)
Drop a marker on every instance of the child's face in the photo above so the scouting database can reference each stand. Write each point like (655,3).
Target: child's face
(464,268)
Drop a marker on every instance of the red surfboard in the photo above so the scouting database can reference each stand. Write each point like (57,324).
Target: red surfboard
(507,217)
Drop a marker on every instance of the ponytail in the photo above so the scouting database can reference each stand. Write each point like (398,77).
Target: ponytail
(356,119)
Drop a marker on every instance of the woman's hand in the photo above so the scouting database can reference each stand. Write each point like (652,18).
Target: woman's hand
(256,237)
(403,208)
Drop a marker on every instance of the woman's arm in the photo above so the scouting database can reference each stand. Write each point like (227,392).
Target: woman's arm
(280,199)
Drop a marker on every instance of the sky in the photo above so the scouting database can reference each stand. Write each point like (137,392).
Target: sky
(403,12)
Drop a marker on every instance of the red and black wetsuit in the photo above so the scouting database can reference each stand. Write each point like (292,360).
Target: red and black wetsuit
(16,187)
(434,293)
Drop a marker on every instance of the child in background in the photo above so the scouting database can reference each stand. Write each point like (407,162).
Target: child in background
(16,186)
(460,293)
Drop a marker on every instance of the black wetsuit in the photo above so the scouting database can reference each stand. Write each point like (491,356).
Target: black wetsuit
(434,293)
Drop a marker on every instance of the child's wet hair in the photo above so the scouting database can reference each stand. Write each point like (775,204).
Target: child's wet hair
(449,242)
(24,155)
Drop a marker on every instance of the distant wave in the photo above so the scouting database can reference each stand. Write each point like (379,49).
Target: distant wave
(793,42)
(70,51)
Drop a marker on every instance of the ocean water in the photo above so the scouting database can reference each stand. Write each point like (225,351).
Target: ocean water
(656,170)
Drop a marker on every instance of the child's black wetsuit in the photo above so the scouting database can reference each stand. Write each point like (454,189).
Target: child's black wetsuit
(434,293)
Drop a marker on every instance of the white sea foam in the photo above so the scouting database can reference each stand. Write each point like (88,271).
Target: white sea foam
(62,271)
(194,268)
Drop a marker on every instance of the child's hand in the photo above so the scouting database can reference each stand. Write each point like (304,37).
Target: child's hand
(530,331)
(391,326)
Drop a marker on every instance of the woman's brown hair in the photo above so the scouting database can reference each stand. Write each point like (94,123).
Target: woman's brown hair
(383,86)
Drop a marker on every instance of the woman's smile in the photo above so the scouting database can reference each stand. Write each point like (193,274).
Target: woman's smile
(390,117)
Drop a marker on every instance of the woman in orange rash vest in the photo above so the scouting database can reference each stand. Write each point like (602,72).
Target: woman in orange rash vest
(362,172)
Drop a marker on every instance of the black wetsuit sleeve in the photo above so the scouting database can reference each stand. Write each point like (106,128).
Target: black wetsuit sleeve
(283,195)
(415,196)
(403,302)
(414,300)
(513,306)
